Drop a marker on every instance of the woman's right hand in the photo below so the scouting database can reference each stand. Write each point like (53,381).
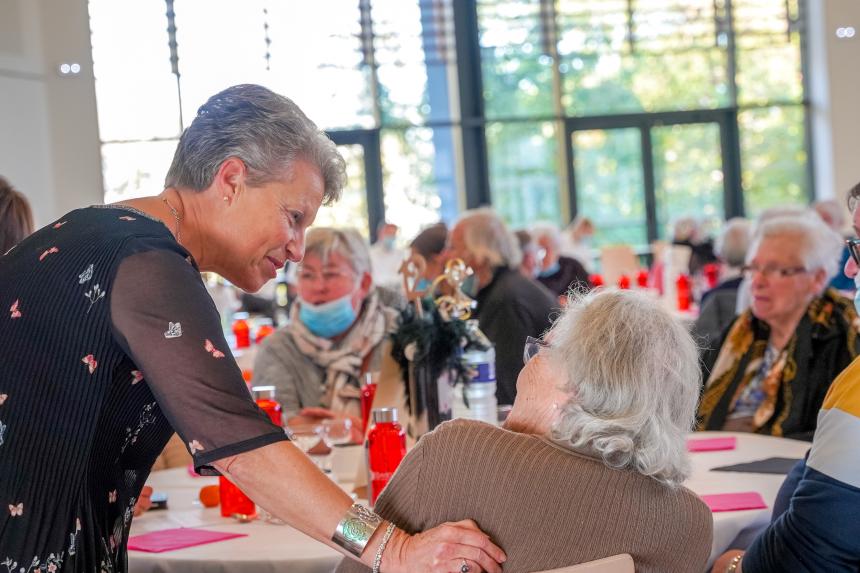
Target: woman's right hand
(443,549)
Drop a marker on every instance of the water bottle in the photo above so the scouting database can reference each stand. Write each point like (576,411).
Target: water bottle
(241,330)
(477,399)
(386,448)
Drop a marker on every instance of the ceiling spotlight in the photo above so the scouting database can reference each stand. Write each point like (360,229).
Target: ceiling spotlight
(67,68)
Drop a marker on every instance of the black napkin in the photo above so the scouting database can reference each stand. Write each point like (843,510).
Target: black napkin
(768,466)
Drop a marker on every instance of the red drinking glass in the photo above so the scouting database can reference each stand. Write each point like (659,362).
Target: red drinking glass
(233,501)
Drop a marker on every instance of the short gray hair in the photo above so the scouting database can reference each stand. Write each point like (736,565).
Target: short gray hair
(632,373)
(348,243)
(734,242)
(488,239)
(267,131)
(548,231)
(820,247)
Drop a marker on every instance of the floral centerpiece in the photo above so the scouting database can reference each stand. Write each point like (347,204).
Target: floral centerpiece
(430,340)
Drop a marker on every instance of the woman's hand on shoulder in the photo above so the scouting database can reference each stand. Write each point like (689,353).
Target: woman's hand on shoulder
(443,549)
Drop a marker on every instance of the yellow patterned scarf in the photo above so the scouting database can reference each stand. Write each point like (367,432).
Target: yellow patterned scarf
(740,360)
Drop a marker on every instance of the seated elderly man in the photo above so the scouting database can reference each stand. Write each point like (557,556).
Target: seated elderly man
(718,304)
(592,457)
(511,307)
(770,372)
(335,334)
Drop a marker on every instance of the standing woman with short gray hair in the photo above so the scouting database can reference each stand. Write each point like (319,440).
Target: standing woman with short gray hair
(111,343)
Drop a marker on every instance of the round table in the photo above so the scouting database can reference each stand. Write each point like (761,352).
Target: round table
(268,548)
(279,548)
(742,525)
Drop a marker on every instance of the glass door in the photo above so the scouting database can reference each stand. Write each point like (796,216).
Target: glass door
(688,175)
(361,205)
(635,176)
(351,209)
(610,185)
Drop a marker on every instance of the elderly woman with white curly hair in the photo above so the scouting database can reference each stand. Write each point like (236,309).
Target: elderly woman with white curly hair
(771,370)
(592,457)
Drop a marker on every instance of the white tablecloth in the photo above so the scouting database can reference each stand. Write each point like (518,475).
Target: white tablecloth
(268,548)
(281,549)
(750,447)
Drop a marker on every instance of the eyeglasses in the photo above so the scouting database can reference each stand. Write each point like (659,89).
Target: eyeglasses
(532,347)
(854,248)
(771,271)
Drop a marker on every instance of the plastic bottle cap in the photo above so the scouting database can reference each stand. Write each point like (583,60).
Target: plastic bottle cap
(383,415)
(263,392)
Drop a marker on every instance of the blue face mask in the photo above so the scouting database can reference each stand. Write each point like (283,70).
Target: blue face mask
(554,268)
(857,292)
(328,319)
(388,242)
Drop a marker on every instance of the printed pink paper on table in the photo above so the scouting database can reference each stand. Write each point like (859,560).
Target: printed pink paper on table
(711,444)
(178,538)
(734,501)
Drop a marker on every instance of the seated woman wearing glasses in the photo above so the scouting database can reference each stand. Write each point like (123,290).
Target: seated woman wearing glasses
(771,370)
(335,333)
(591,459)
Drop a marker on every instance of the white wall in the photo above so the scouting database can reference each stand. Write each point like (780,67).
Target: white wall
(834,90)
(49,144)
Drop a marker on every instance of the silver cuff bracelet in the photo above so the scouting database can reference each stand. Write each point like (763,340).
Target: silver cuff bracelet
(355,529)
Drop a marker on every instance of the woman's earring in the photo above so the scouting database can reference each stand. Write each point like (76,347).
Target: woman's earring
(226,198)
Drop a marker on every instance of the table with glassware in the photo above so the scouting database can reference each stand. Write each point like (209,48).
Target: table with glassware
(270,547)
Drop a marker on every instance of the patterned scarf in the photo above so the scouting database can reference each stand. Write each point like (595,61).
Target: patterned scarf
(345,360)
(740,361)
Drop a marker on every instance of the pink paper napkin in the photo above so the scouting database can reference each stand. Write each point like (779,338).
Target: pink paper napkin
(711,444)
(179,538)
(734,501)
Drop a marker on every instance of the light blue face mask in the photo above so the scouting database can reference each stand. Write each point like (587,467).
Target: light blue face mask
(857,292)
(328,319)
(554,268)
(388,242)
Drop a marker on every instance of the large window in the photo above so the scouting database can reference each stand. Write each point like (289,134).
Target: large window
(666,109)
(376,71)
(632,112)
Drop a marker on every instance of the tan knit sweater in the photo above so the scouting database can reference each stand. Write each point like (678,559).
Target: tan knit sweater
(545,506)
